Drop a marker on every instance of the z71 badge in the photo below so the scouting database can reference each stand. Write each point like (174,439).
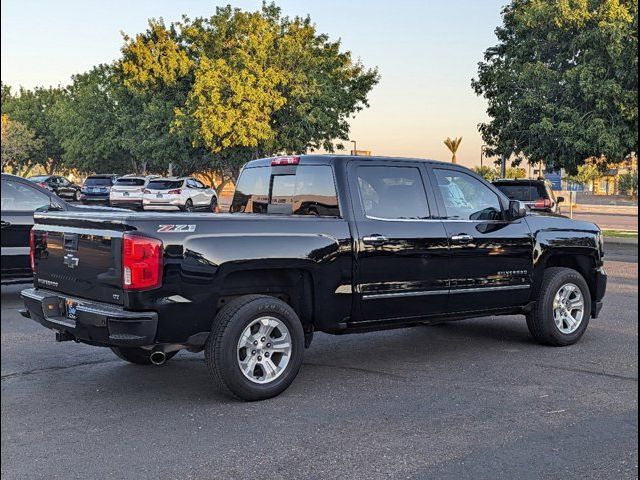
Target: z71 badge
(176,228)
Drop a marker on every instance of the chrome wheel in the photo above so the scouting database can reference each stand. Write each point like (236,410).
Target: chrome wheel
(264,350)
(568,308)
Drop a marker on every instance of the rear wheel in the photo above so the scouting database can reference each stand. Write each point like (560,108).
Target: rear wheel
(76,195)
(256,347)
(562,310)
(188,206)
(137,355)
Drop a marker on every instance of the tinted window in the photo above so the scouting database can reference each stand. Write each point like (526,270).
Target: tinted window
(252,191)
(310,191)
(524,191)
(41,178)
(392,192)
(98,182)
(466,197)
(164,184)
(130,182)
(19,197)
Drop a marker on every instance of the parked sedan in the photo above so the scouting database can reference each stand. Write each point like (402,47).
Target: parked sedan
(58,185)
(96,189)
(179,193)
(127,191)
(20,198)
(537,195)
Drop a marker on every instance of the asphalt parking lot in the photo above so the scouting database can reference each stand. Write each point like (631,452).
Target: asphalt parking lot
(472,399)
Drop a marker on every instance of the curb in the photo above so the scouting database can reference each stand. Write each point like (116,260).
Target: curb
(620,241)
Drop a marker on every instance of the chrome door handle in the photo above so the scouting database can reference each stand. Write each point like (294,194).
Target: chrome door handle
(462,238)
(375,240)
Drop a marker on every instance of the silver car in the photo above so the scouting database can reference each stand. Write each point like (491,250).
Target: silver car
(179,193)
(127,191)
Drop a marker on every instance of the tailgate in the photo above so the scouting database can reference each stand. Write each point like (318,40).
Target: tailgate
(79,256)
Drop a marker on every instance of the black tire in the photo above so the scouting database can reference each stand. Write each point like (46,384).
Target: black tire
(188,206)
(221,350)
(76,196)
(213,206)
(540,320)
(137,355)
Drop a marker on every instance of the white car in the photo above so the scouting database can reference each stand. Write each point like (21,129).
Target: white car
(127,191)
(179,193)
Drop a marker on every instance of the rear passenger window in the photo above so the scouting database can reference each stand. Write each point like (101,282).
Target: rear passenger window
(392,192)
(309,191)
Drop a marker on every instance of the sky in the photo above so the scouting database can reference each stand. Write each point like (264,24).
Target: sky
(426,51)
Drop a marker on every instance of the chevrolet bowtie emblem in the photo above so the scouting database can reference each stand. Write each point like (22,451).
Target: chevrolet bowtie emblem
(71,261)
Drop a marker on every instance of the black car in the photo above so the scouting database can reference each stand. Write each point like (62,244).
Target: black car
(20,198)
(537,195)
(96,189)
(61,186)
(397,243)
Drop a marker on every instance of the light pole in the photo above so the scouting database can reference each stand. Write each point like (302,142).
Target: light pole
(355,148)
(483,149)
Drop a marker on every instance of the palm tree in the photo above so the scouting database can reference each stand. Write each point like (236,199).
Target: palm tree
(453,146)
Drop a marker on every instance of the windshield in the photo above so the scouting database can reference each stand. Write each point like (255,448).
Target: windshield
(98,182)
(164,184)
(130,182)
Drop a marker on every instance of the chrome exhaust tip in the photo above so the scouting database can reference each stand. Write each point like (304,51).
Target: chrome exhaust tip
(158,357)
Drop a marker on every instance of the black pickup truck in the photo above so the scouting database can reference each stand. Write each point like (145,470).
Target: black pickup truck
(334,244)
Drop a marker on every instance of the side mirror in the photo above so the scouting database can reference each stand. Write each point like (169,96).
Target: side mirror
(560,200)
(517,209)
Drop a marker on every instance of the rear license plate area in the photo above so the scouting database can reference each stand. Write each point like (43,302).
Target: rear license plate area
(71,309)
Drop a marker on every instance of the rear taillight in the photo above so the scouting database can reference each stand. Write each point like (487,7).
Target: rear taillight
(279,161)
(177,191)
(32,250)
(542,203)
(36,246)
(42,184)
(141,262)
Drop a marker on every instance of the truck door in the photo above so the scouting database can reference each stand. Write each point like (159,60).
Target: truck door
(490,257)
(401,250)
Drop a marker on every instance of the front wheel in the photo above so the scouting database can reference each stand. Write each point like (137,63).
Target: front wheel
(76,195)
(256,347)
(188,206)
(213,206)
(562,310)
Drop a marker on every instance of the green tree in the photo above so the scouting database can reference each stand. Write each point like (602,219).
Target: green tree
(628,183)
(516,173)
(453,145)
(488,173)
(18,146)
(36,110)
(562,83)
(249,84)
(588,172)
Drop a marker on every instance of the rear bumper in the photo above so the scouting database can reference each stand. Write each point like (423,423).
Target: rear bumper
(95,323)
(130,203)
(94,198)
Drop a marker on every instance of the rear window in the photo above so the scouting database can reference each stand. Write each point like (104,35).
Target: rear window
(130,182)
(523,192)
(98,181)
(42,178)
(164,184)
(306,190)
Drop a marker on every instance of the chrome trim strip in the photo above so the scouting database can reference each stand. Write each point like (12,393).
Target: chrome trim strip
(421,293)
(489,289)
